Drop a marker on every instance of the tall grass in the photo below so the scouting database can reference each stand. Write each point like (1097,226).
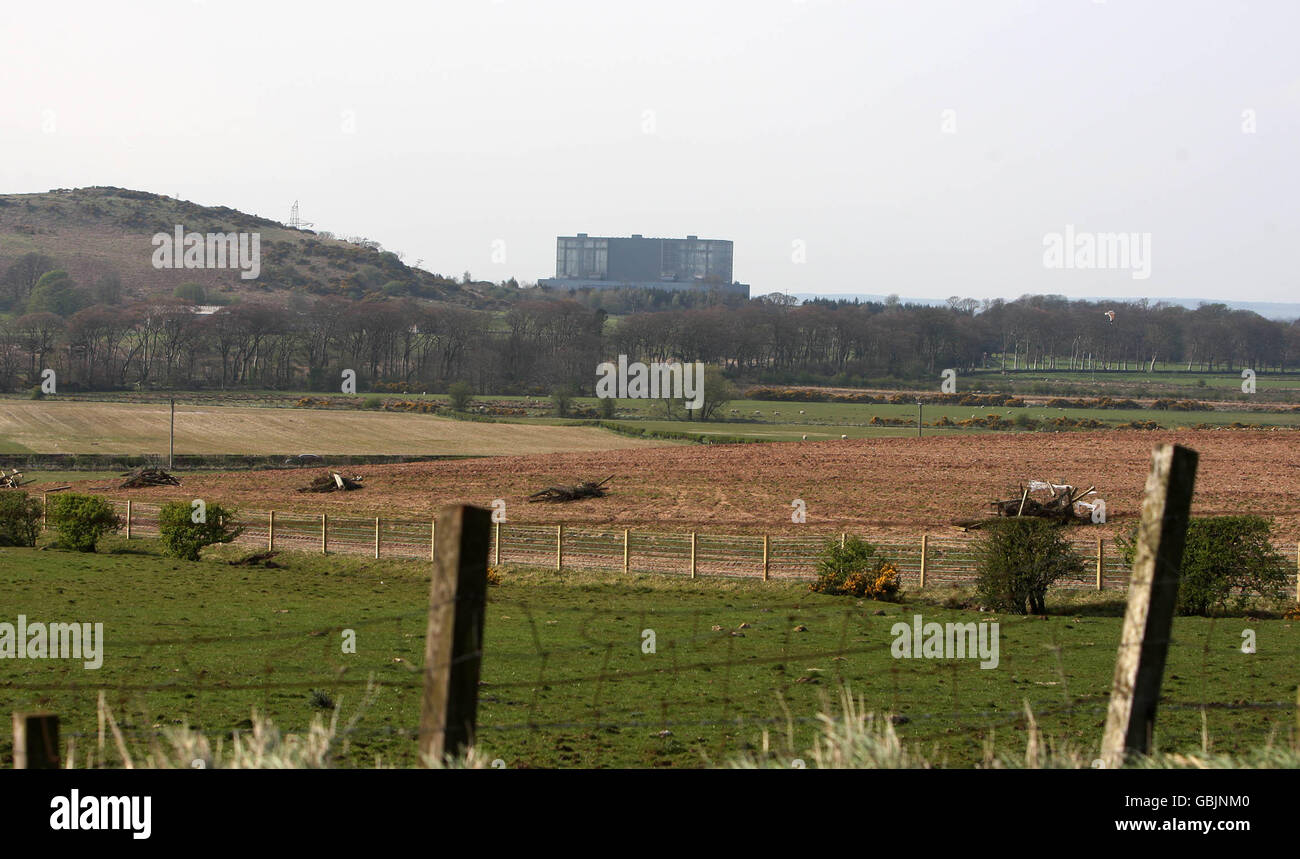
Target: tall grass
(855,738)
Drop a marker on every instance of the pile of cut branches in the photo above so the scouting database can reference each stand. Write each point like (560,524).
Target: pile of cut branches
(13,479)
(1058,501)
(586,489)
(1041,499)
(148,477)
(333,482)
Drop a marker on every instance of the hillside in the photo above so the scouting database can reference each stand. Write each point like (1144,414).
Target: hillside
(102,236)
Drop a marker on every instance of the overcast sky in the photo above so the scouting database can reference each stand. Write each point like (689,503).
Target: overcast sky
(914,147)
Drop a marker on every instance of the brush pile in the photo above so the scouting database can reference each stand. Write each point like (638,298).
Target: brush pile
(1041,499)
(1058,501)
(147,477)
(333,482)
(586,489)
(13,479)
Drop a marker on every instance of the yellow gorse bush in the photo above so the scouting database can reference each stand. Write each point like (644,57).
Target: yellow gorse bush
(879,585)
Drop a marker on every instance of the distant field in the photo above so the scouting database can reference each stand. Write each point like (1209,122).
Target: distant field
(92,427)
(840,414)
(1166,381)
(762,420)
(266,423)
(1175,374)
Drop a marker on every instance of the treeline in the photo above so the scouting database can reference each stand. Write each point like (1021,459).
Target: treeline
(543,343)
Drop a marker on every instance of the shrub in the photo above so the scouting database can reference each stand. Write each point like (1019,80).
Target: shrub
(460,393)
(81,520)
(855,569)
(879,585)
(194,293)
(606,406)
(1018,559)
(20,519)
(372,403)
(318,699)
(562,398)
(184,538)
(1223,555)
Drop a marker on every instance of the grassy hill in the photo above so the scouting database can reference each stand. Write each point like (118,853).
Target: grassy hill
(104,235)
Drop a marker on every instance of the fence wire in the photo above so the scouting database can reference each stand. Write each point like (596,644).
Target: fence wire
(571,682)
(948,560)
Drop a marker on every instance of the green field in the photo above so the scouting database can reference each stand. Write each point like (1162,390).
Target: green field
(566,681)
(760,420)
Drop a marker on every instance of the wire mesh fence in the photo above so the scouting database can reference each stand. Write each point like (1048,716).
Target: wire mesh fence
(571,684)
(928,560)
(628,677)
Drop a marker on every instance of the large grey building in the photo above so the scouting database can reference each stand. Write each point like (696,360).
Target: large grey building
(606,262)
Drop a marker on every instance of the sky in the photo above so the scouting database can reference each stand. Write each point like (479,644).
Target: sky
(919,147)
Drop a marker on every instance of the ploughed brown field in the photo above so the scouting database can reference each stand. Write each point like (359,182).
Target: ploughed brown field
(898,485)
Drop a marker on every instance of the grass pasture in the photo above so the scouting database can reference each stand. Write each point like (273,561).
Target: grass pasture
(566,681)
(267,424)
(1166,380)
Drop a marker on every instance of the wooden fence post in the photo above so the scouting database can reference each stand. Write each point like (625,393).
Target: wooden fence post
(496,544)
(925,555)
(627,555)
(1152,594)
(692,554)
(270,531)
(765,557)
(433,539)
(454,641)
(128,518)
(559,546)
(376,538)
(324,534)
(45,506)
(843,538)
(1101,562)
(36,741)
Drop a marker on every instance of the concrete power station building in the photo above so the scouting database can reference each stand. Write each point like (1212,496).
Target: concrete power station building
(603,262)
